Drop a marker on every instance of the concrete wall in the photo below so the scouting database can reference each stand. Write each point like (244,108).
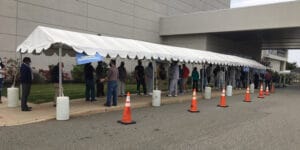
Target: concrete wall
(250,49)
(188,41)
(137,19)
(243,48)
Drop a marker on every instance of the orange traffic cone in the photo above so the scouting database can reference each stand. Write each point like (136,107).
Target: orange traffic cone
(261,92)
(194,107)
(223,99)
(247,95)
(127,112)
(273,88)
(267,91)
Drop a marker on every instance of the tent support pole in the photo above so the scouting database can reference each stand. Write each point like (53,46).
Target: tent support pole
(60,69)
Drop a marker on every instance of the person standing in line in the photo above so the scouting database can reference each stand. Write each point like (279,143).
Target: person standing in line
(221,78)
(216,76)
(149,78)
(208,70)
(101,71)
(232,76)
(122,79)
(170,76)
(203,77)
(89,82)
(238,78)
(180,82)
(268,78)
(139,74)
(243,78)
(55,81)
(256,80)
(195,77)
(174,69)
(26,80)
(2,74)
(185,76)
(162,76)
(112,84)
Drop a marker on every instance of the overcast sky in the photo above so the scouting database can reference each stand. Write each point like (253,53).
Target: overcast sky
(293,55)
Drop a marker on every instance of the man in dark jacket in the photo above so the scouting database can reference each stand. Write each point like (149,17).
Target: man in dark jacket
(26,80)
(89,82)
(139,73)
(122,79)
(101,72)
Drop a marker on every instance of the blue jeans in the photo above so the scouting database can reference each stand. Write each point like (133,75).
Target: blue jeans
(89,89)
(180,85)
(112,87)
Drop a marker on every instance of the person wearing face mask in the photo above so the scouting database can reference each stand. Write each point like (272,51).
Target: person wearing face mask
(149,78)
(89,82)
(112,84)
(26,80)
(139,74)
(122,79)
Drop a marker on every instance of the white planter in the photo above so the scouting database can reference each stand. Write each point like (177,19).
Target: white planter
(207,94)
(229,90)
(156,98)
(63,108)
(12,97)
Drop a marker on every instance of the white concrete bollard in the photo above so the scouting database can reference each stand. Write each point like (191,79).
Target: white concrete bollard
(207,94)
(63,108)
(229,90)
(252,88)
(156,98)
(12,97)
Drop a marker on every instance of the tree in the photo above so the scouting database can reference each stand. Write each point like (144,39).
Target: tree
(291,66)
(13,67)
(78,73)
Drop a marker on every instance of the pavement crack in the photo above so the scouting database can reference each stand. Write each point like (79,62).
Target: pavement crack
(85,138)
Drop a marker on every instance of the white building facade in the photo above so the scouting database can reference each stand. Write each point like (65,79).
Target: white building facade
(276,59)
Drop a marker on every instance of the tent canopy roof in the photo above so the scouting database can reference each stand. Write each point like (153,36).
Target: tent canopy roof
(44,39)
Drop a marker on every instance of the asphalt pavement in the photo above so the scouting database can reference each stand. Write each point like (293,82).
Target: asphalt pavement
(272,123)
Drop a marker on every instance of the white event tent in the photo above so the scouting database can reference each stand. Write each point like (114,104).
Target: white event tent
(51,40)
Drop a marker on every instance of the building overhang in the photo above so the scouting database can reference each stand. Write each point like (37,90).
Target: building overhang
(264,17)
(274,26)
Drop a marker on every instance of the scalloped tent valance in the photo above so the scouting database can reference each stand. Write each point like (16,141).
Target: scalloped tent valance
(44,39)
